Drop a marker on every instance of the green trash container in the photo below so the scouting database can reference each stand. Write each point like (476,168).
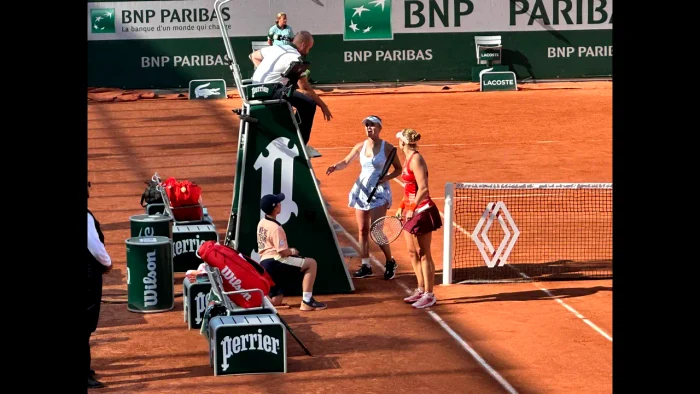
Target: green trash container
(149,274)
(151,226)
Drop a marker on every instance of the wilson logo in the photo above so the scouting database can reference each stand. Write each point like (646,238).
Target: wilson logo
(233,281)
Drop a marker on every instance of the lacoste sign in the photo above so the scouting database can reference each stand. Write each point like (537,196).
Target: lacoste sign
(207,89)
(498,80)
(489,54)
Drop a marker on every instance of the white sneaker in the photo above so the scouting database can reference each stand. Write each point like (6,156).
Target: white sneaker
(312,152)
(425,301)
(417,294)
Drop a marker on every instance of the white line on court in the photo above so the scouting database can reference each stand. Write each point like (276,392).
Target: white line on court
(580,316)
(564,304)
(439,320)
(483,143)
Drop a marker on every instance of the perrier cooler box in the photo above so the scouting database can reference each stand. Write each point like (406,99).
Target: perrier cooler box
(247,344)
(186,240)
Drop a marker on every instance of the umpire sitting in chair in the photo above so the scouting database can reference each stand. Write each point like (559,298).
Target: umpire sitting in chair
(274,63)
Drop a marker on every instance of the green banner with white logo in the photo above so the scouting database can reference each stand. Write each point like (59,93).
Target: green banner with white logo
(247,348)
(102,21)
(490,54)
(362,23)
(498,80)
(275,162)
(207,89)
(165,44)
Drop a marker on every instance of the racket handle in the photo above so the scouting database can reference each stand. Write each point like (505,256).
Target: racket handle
(371,194)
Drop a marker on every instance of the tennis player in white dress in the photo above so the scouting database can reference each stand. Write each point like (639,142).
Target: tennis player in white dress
(371,171)
(373,153)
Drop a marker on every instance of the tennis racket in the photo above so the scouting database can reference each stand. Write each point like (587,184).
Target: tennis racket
(386,230)
(387,164)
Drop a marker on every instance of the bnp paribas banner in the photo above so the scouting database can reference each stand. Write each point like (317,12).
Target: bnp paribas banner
(137,44)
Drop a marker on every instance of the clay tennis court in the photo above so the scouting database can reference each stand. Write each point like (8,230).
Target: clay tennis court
(542,337)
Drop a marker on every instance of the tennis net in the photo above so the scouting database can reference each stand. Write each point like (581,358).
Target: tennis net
(504,232)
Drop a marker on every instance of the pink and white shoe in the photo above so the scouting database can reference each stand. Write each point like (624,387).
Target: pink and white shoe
(425,301)
(417,294)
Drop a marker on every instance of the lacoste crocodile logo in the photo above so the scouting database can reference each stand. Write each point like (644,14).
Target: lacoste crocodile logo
(202,91)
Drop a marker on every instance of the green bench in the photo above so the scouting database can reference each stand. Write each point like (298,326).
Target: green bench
(187,239)
(194,296)
(244,340)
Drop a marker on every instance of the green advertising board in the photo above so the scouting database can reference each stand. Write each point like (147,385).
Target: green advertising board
(166,44)
(207,89)
(249,344)
(274,161)
(490,54)
(497,81)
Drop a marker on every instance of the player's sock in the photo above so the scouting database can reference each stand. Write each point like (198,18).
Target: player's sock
(306,296)
(365,261)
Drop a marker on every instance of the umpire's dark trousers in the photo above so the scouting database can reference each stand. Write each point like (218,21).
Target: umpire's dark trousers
(94,298)
(306,107)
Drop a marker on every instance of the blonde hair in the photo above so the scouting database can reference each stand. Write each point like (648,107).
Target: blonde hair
(411,136)
(280,15)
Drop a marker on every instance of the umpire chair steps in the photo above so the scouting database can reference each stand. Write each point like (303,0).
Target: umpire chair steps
(310,150)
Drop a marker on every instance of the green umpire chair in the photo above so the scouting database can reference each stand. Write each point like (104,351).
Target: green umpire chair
(271,159)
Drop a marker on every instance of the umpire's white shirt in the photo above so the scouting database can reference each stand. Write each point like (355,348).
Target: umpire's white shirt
(276,59)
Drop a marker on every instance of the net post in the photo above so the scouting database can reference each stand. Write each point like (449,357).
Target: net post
(448,235)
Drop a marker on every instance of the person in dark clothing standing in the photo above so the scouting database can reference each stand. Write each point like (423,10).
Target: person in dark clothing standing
(98,263)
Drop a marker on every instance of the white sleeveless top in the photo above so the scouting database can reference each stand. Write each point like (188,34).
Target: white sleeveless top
(372,165)
(371,169)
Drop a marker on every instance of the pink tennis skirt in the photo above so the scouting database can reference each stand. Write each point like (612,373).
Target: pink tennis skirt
(424,222)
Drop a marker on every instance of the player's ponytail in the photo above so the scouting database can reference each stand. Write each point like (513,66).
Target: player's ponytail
(412,136)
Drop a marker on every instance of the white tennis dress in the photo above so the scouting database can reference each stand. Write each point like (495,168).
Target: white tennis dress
(371,170)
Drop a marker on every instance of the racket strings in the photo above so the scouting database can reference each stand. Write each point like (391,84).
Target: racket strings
(385,230)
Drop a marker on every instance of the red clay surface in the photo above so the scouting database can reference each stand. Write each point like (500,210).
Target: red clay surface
(369,341)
